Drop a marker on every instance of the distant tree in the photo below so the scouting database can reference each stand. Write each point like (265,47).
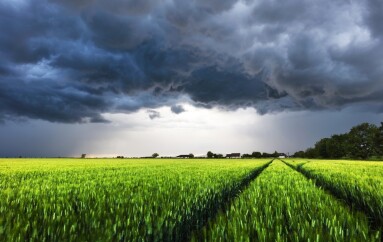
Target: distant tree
(275,154)
(210,154)
(246,156)
(361,140)
(299,154)
(256,154)
(311,153)
(155,155)
(321,148)
(83,155)
(266,155)
(336,146)
(217,156)
(379,141)
(191,155)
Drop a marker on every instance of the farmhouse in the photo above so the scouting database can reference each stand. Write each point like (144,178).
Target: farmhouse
(233,155)
(282,155)
(183,156)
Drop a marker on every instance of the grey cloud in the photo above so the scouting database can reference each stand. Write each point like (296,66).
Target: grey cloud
(214,6)
(132,7)
(76,4)
(215,85)
(374,18)
(71,61)
(118,32)
(276,12)
(177,109)
(51,102)
(304,52)
(153,114)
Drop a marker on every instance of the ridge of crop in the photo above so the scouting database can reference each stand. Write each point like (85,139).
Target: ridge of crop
(204,215)
(115,200)
(353,196)
(283,205)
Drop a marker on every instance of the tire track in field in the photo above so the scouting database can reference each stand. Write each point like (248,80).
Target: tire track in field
(375,222)
(209,211)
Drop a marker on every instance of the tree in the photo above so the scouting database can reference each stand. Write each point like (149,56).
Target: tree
(155,155)
(299,154)
(191,155)
(246,156)
(336,146)
(210,154)
(361,140)
(379,140)
(311,153)
(266,155)
(275,154)
(217,156)
(256,154)
(321,148)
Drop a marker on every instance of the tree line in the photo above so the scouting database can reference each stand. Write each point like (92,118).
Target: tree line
(255,154)
(364,141)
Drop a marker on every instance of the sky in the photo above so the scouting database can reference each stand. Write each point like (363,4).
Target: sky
(135,77)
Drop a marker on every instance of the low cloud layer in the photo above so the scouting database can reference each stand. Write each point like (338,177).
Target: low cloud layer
(72,61)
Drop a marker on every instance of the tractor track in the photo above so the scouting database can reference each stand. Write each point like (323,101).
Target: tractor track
(189,227)
(375,220)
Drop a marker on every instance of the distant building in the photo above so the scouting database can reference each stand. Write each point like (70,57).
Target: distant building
(282,155)
(183,156)
(233,155)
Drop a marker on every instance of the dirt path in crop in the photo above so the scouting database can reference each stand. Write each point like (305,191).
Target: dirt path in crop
(211,209)
(374,223)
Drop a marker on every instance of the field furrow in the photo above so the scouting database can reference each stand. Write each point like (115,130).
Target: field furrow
(359,184)
(282,205)
(112,200)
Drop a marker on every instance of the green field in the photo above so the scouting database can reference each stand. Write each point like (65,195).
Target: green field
(192,199)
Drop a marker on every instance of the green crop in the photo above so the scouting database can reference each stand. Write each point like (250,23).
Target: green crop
(359,184)
(198,199)
(114,200)
(282,205)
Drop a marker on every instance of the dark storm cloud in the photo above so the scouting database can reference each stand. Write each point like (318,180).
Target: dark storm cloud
(374,18)
(51,102)
(71,61)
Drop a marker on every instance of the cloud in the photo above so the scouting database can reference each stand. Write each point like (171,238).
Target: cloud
(177,109)
(153,114)
(72,61)
(51,102)
(374,17)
